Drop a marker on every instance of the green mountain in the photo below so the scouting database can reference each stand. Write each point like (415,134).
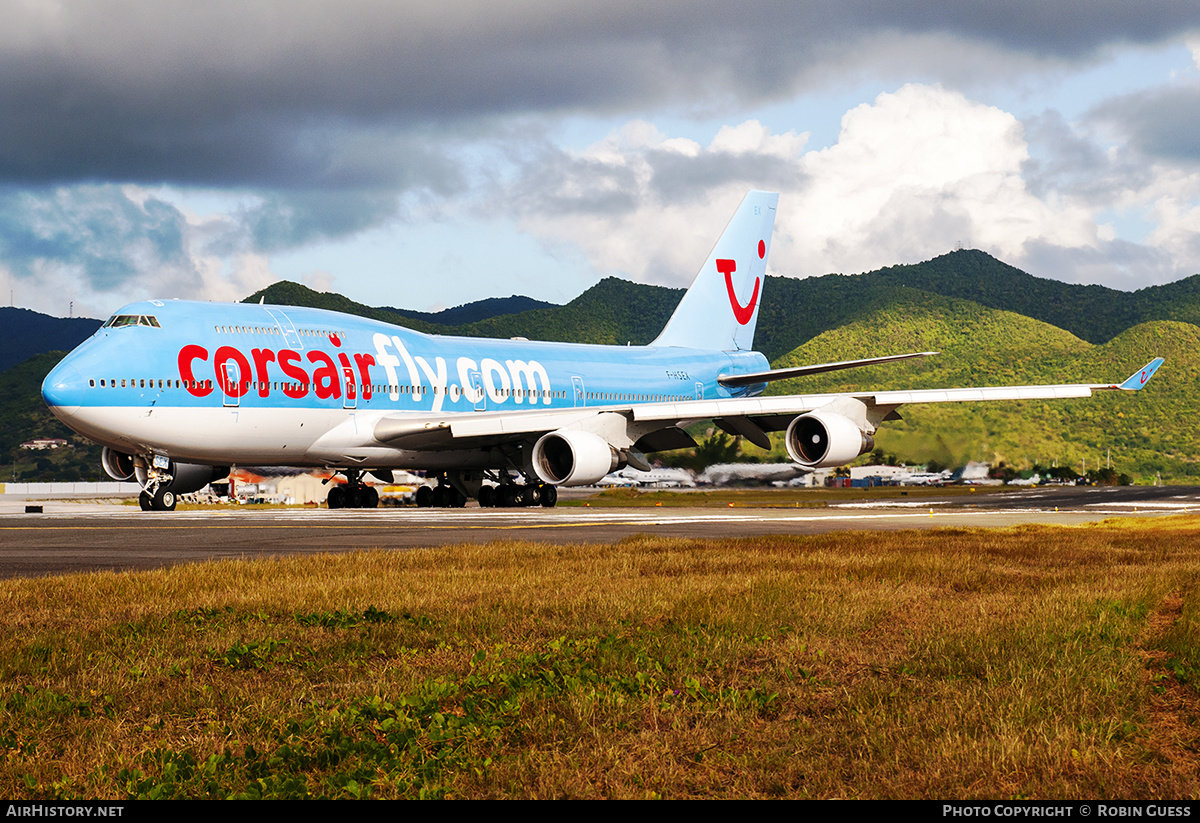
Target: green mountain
(25,417)
(994,325)
(1148,432)
(478,310)
(24,333)
(794,311)
(613,311)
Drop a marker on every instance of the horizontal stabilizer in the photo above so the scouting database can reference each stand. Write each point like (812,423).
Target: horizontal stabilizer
(819,368)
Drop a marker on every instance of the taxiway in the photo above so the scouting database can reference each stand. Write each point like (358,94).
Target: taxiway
(80,536)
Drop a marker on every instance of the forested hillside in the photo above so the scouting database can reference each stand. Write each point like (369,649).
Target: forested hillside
(993,324)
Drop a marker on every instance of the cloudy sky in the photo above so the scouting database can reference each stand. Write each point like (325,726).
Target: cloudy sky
(426,154)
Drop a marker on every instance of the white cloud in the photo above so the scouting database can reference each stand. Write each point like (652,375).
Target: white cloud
(913,174)
(677,196)
(1193,44)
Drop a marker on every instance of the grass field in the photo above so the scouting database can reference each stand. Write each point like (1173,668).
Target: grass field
(1036,662)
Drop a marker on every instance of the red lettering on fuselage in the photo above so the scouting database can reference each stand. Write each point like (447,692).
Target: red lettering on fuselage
(287,362)
(186,355)
(365,361)
(235,385)
(261,358)
(325,377)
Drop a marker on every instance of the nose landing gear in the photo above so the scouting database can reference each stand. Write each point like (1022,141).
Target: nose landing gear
(156,493)
(161,499)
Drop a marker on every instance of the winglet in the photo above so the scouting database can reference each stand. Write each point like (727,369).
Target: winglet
(1141,377)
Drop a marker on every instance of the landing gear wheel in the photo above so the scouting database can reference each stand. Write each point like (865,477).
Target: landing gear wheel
(532,496)
(369,498)
(163,500)
(424,497)
(336,499)
(509,495)
(145,502)
(487,497)
(549,496)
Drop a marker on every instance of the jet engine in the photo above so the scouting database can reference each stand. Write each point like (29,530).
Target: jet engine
(185,477)
(117,465)
(821,439)
(568,457)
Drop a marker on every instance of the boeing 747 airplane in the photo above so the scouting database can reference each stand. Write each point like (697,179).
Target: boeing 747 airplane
(178,391)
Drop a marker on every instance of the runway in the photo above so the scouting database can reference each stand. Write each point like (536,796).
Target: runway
(78,536)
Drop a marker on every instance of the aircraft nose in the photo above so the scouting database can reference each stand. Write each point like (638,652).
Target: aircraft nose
(63,390)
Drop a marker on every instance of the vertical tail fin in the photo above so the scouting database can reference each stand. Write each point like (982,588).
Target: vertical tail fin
(720,310)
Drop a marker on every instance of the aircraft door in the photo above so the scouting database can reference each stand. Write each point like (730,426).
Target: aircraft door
(580,399)
(478,390)
(349,389)
(230,387)
(288,330)
(699,390)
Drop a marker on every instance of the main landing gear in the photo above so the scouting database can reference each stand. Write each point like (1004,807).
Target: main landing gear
(510,495)
(353,494)
(451,492)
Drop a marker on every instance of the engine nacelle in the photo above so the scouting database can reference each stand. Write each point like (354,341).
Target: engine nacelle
(185,477)
(568,457)
(192,477)
(821,439)
(117,465)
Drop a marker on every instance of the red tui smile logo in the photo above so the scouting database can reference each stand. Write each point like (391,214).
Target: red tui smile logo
(727,267)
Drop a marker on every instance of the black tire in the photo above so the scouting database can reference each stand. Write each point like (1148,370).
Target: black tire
(336,499)
(369,498)
(487,496)
(549,496)
(145,502)
(424,497)
(164,500)
(532,496)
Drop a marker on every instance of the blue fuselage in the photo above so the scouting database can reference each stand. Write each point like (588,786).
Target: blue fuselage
(252,383)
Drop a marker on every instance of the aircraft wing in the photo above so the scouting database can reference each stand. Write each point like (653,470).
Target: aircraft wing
(818,368)
(750,417)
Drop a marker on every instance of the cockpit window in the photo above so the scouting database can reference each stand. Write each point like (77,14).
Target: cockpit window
(132,320)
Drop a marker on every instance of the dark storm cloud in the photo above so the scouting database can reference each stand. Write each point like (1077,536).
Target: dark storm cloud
(1072,160)
(554,182)
(1159,123)
(1118,264)
(680,178)
(274,93)
(108,236)
(289,219)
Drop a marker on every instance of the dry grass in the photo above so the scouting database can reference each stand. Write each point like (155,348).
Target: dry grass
(1030,662)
